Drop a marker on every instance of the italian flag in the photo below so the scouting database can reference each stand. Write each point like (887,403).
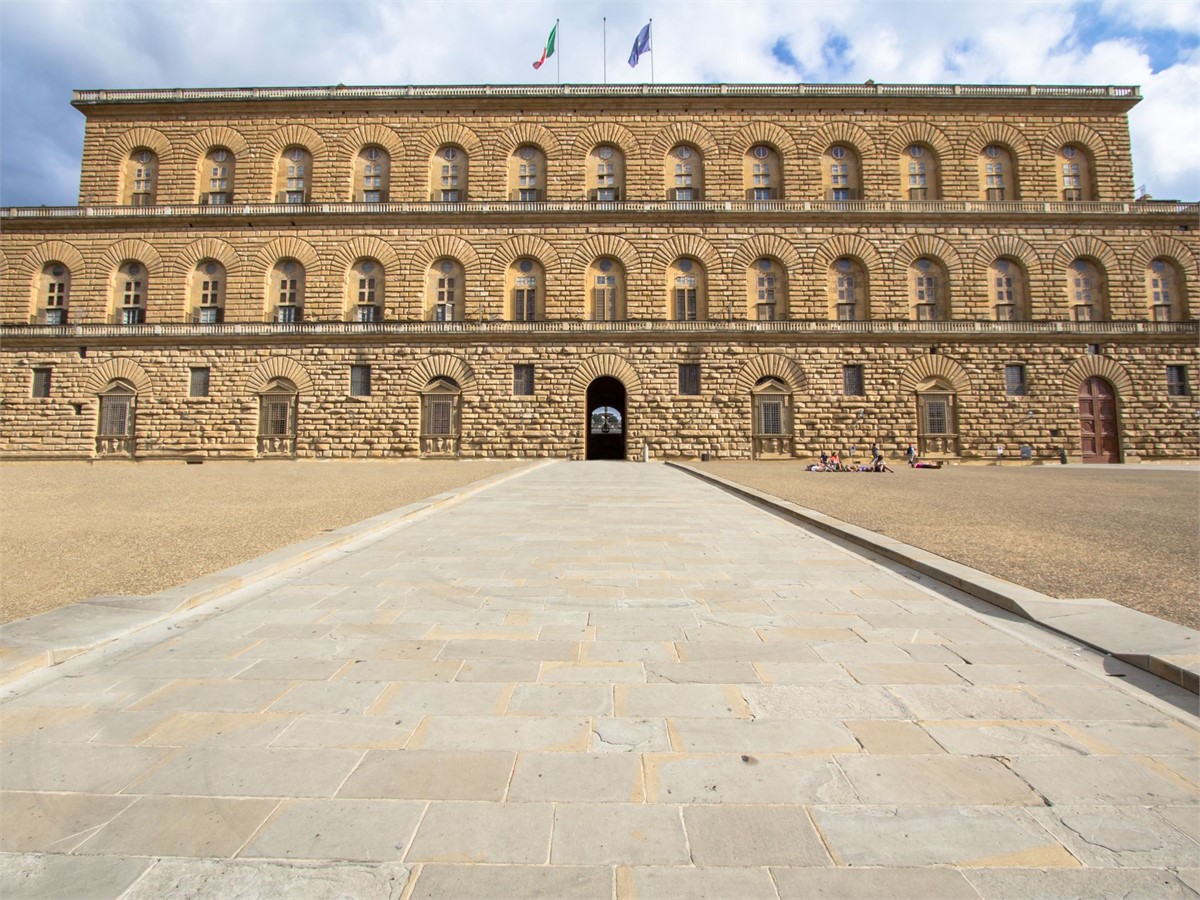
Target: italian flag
(548,50)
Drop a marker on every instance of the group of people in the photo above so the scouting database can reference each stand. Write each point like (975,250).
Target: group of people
(832,462)
(914,462)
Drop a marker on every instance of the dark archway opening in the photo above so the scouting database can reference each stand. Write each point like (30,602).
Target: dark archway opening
(606,424)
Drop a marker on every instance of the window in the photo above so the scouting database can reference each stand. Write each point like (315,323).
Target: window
(1074,174)
(523,379)
(277,418)
(919,169)
(772,419)
(997,174)
(761,173)
(607,283)
(288,283)
(1014,380)
(852,381)
(198,381)
(208,293)
(440,419)
(141,177)
(686,309)
(927,285)
(360,381)
(847,287)
(1086,291)
(526,169)
(217,183)
(1095,350)
(766,286)
(366,291)
(445,291)
(54,294)
(689,379)
(685,285)
(1007,280)
(115,428)
(606,171)
(1164,289)
(292,177)
(685,174)
(1177,382)
(449,175)
(40,386)
(131,294)
(840,173)
(525,276)
(372,171)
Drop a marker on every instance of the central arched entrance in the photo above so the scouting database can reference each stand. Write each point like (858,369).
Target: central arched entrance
(1098,432)
(606,425)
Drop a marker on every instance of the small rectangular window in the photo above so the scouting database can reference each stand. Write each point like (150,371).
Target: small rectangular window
(198,381)
(689,379)
(360,381)
(1177,382)
(852,381)
(523,380)
(1095,350)
(1014,381)
(41,383)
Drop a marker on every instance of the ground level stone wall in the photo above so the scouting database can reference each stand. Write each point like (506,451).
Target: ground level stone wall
(494,422)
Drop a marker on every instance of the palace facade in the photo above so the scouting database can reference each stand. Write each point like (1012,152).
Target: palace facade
(602,272)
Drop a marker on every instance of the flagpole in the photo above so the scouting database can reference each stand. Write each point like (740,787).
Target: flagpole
(651,33)
(557,54)
(604,44)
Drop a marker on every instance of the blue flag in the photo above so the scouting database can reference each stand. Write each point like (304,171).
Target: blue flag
(641,44)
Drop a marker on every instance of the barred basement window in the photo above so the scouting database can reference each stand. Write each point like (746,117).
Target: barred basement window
(1177,382)
(852,381)
(523,379)
(198,381)
(689,379)
(360,381)
(41,383)
(1014,381)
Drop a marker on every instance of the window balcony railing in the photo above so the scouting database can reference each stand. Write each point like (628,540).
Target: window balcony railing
(629,207)
(627,326)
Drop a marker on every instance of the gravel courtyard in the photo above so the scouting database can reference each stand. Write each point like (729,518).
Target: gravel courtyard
(1129,534)
(69,530)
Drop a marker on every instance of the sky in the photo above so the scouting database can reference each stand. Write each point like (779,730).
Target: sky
(49,47)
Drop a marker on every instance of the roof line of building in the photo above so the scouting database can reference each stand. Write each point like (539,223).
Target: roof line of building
(447,92)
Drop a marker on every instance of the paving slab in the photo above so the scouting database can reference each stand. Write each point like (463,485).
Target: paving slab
(670,693)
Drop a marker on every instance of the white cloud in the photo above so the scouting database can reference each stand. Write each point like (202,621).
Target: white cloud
(106,43)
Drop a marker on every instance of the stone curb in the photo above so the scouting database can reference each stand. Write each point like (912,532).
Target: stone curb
(54,637)
(1170,651)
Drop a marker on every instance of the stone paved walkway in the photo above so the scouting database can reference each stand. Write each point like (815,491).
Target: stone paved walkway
(598,680)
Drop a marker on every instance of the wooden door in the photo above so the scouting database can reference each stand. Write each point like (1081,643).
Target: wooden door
(1098,436)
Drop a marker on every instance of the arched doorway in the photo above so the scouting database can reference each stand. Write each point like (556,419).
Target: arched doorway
(606,424)
(1098,433)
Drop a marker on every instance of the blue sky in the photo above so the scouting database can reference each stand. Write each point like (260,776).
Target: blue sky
(49,47)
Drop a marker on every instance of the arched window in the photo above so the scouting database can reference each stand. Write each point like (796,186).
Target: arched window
(997,174)
(293,176)
(1087,291)
(372,173)
(606,174)
(687,291)
(766,290)
(685,173)
(365,291)
(277,404)
(772,410)
(841,174)
(762,173)
(141,178)
(1009,292)
(1075,174)
(927,291)
(606,290)
(129,293)
(448,174)
(216,177)
(286,300)
(526,283)
(527,174)
(919,173)
(53,294)
(441,418)
(115,424)
(207,293)
(445,289)
(849,300)
(1165,291)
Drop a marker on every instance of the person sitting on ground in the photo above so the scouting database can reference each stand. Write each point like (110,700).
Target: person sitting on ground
(824,458)
(877,464)
(835,462)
